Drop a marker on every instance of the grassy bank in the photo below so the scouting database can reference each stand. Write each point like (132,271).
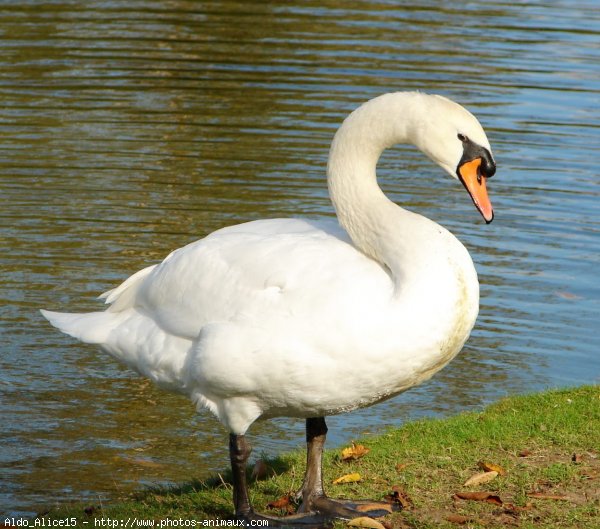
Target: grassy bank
(546,445)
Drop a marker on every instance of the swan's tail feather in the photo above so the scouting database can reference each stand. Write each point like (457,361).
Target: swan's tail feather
(91,327)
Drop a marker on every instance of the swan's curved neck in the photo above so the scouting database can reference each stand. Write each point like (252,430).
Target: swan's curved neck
(377,226)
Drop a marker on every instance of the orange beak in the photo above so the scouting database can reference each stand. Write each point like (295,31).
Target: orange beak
(474,182)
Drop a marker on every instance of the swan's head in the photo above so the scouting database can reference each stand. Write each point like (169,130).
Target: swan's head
(453,138)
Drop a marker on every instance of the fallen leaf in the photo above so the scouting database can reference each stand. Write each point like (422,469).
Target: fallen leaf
(260,470)
(490,467)
(282,503)
(401,466)
(365,521)
(543,496)
(525,453)
(348,478)
(400,497)
(366,507)
(458,518)
(479,496)
(354,452)
(478,479)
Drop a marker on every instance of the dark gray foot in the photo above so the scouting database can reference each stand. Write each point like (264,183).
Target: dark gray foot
(348,509)
(312,494)
(317,510)
(323,512)
(293,521)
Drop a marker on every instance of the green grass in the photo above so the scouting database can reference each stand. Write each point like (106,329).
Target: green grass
(430,460)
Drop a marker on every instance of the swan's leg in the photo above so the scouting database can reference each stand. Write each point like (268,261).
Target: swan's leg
(312,487)
(312,492)
(239,451)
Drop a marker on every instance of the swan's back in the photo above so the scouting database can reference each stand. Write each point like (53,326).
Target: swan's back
(259,271)
(263,273)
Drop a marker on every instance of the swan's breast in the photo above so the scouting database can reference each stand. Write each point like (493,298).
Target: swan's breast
(467,307)
(461,313)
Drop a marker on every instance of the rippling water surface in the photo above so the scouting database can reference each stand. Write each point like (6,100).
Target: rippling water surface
(128,129)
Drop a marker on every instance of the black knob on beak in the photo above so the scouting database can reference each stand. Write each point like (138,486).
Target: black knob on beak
(488,166)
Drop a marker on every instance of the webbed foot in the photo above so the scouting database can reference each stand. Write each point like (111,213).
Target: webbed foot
(293,521)
(348,509)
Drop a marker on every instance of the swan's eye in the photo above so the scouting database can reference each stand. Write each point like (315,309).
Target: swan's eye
(462,137)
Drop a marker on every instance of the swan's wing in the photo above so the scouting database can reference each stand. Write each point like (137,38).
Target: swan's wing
(256,271)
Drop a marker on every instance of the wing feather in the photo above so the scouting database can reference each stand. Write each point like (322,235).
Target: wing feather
(257,270)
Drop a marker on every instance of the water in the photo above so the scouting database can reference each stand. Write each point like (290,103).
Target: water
(128,129)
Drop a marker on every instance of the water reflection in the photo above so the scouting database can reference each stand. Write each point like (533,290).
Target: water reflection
(129,130)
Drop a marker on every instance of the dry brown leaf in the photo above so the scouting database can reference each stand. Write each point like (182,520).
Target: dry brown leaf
(489,467)
(281,503)
(401,466)
(525,453)
(400,497)
(479,496)
(366,507)
(348,478)
(354,452)
(458,518)
(365,521)
(543,496)
(478,479)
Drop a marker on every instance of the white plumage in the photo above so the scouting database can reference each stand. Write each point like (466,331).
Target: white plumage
(304,318)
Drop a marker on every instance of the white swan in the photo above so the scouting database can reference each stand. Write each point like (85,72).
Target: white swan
(299,318)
